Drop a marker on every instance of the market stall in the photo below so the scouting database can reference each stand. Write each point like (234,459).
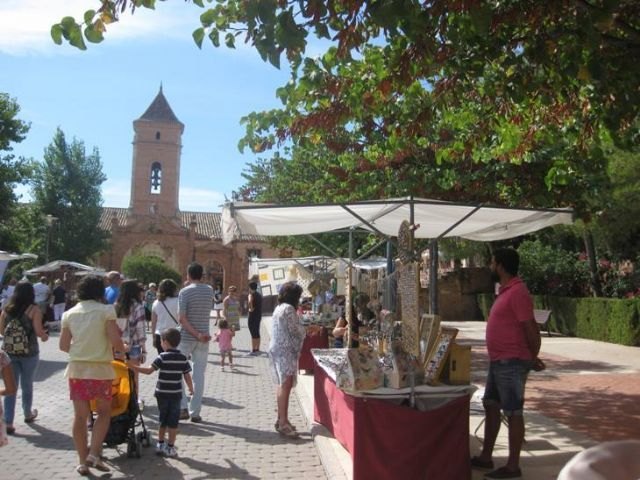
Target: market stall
(387,440)
(6,257)
(384,400)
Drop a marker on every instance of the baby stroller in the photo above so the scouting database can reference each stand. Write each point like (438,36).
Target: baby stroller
(125,414)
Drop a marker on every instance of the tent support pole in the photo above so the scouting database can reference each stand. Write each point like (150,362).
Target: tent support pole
(366,254)
(363,221)
(433,276)
(333,254)
(348,300)
(433,267)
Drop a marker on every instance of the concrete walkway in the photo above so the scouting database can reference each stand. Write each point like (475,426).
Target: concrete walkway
(236,440)
(589,393)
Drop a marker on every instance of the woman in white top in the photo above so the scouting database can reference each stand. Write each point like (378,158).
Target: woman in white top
(164,312)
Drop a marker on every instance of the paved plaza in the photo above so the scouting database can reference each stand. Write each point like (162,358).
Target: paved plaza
(589,393)
(236,439)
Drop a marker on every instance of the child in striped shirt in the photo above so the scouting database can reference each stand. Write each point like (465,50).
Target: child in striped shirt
(172,366)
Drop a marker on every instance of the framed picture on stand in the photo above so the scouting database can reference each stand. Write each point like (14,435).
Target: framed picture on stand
(436,359)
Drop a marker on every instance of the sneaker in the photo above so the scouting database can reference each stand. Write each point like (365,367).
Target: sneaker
(196,418)
(184,414)
(31,417)
(160,448)
(171,452)
(503,472)
(222,368)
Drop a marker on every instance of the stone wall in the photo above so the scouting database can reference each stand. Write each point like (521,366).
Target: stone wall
(457,292)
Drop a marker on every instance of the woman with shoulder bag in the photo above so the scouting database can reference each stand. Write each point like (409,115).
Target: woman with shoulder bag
(287,336)
(164,312)
(130,309)
(21,314)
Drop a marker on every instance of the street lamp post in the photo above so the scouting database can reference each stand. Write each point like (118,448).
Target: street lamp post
(50,219)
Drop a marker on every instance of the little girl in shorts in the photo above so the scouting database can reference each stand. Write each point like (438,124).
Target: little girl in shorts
(223,336)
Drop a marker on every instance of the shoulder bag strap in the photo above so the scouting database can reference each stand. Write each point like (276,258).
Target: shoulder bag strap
(169,312)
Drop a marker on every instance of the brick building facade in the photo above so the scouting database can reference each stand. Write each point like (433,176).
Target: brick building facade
(154,224)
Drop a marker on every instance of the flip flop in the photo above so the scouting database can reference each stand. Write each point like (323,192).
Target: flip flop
(93,462)
(277,426)
(288,432)
(83,470)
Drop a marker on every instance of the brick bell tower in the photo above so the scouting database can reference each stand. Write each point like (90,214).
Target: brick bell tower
(157,145)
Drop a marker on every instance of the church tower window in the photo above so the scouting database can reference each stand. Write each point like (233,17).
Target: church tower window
(156,177)
(157,135)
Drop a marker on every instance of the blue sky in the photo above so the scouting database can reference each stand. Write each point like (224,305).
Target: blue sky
(95,95)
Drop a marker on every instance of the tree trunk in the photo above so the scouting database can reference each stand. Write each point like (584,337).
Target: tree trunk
(596,286)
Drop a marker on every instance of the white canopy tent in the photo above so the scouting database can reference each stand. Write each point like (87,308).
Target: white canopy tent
(6,257)
(57,265)
(433,219)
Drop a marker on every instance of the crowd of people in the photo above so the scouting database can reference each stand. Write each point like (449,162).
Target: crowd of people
(110,321)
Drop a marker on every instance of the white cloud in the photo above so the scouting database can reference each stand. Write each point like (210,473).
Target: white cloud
(200,200)
(115,193)
(25,25)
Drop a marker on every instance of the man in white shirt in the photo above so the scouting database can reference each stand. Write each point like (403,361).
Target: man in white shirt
(42,293)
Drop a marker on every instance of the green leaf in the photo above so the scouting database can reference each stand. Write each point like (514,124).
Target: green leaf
(56,34)
(199,3)
(93,35)
(214,36)
(322,31)
(68,23)
(76,39)
(88,16)
(208,17)
(230,40)
(198,36)
(274,57)
(266,11)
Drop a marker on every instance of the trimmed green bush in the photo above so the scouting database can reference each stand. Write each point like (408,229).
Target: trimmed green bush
(604,319)
(147,269)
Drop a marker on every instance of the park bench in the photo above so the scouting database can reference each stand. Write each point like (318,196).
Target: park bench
(542,319)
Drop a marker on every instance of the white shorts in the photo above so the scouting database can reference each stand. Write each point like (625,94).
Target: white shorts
(58,310)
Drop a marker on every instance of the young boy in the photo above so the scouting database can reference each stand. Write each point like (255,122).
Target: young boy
(172,366)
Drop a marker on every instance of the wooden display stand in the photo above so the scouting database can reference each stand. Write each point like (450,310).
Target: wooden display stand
(458,365)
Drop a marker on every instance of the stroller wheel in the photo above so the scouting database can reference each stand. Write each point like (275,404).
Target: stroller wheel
(144,438)
(131,449)
(138,450)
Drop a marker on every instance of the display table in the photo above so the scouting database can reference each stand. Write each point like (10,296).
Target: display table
(391,441)
(316,337)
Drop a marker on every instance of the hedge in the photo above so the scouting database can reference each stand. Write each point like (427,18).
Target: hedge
(605,319)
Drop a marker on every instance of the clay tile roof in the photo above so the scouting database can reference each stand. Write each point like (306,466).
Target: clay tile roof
(160,111)
(208,224)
